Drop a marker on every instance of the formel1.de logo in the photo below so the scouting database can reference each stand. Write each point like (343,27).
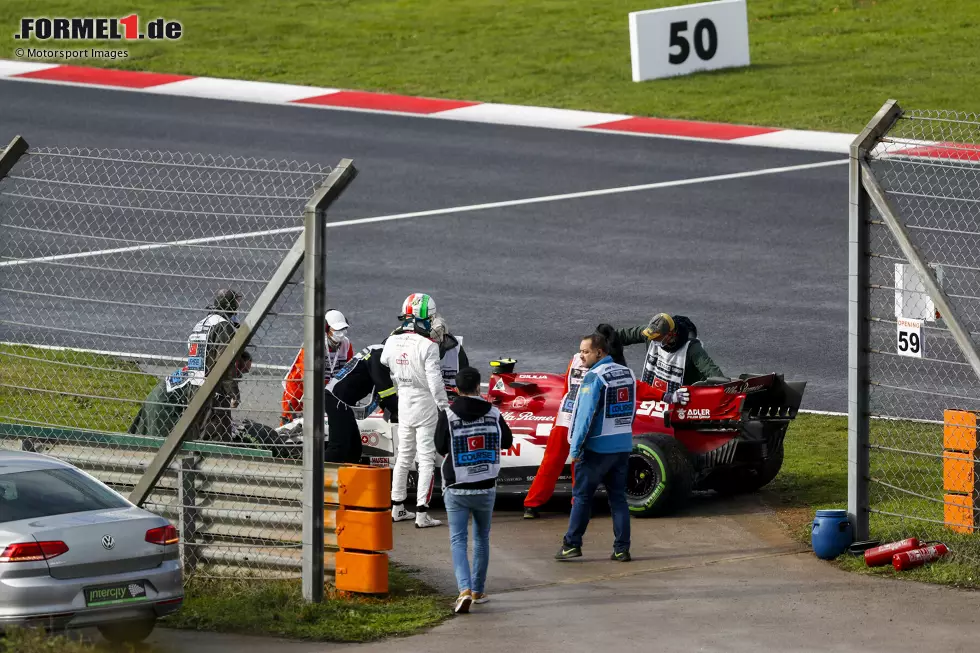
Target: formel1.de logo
(98,29)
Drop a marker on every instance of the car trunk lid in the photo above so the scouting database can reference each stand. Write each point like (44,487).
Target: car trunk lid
(101,542)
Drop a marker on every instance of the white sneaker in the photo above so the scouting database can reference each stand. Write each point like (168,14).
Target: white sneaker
(480,597)
(399,513)
(424,521)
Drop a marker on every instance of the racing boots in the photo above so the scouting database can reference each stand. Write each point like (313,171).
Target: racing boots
(422,520)
(399,513)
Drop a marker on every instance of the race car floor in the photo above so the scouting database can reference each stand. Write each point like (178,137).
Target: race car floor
(723,577)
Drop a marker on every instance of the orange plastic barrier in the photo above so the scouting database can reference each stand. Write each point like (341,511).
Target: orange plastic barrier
(363,528)
(961,473)
(364,573)
(362,486)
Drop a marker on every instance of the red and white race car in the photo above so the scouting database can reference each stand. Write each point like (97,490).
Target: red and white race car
(728,438)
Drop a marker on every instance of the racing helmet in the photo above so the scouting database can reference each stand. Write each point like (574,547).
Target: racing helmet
(418,306)
(660,328)
(227,302)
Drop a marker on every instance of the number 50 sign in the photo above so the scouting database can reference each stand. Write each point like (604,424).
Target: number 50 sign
(682,40)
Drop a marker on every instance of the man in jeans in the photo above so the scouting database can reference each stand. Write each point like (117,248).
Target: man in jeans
(471,435)
(601,441)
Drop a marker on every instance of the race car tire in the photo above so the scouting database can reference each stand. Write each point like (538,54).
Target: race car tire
(742,480)
(660,476)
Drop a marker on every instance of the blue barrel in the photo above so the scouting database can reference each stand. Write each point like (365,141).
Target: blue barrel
(832,533)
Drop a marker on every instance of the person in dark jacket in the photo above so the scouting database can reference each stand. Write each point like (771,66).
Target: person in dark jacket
(166,403)
(470,434)
(363,375)
(675,358)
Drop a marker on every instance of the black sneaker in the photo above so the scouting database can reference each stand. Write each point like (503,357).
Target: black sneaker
(531,513)
(621,557)
(568,552)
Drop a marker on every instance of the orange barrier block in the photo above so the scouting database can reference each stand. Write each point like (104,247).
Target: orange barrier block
(364,530)
(960,430)
(959,472)
(962,516)
(365,573)
(362,486)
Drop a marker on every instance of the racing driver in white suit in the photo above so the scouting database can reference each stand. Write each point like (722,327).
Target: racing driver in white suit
(416,371)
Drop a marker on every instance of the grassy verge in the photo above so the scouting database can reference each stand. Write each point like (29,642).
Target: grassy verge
(814,477)
(19,640)
(816,64)
(67,387)
(276,608)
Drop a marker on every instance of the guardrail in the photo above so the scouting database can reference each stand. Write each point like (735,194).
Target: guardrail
(239,509)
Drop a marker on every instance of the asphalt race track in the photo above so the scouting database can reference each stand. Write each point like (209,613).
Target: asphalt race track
(759,263)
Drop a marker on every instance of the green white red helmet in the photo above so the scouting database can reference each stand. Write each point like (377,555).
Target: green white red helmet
(418,306)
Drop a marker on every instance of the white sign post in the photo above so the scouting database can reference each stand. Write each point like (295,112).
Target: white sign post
(909,337)
(681,40)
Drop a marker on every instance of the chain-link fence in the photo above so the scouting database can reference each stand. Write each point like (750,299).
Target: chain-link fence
(109,260)
(916,299)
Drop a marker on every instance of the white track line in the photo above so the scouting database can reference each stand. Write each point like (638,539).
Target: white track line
(447,211)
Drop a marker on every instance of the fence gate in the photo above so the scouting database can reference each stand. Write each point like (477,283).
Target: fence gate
(914,328)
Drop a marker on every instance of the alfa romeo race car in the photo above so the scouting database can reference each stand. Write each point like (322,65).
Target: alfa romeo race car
(728,438)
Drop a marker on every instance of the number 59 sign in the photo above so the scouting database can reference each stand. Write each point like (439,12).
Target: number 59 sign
(909,337)
(682,40)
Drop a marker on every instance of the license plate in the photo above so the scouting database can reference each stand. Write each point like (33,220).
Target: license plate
(113,594)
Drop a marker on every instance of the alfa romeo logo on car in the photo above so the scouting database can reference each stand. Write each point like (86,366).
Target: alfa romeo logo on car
(108,542)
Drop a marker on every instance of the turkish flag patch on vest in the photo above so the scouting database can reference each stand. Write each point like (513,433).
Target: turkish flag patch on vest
(622,395)
(475,442)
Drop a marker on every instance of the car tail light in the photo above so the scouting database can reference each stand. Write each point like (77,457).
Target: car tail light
(163,536)
(33,551)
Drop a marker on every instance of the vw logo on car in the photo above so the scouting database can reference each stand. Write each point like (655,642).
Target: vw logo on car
(108,542)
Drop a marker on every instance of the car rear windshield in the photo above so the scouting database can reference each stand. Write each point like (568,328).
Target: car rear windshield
(46,492)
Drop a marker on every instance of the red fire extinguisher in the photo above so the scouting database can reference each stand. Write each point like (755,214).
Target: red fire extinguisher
(882,555)
(918,557)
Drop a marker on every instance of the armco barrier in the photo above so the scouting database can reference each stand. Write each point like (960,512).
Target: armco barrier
(239,510)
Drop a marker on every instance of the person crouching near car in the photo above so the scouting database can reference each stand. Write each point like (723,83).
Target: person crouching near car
(470,434)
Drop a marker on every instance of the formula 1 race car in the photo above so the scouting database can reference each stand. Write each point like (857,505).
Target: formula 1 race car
(728,438)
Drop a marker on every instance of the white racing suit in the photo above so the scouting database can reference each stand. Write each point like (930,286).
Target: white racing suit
(417,375)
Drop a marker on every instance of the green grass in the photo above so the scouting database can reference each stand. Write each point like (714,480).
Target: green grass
(81,379)
(814,477)
(816,64)
(30,640)
(277,608)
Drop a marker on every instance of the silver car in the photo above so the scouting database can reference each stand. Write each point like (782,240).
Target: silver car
(74,553)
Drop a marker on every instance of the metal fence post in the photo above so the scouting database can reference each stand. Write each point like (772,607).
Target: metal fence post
(187,502)
(858,318)
(11,154)
(314,347)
